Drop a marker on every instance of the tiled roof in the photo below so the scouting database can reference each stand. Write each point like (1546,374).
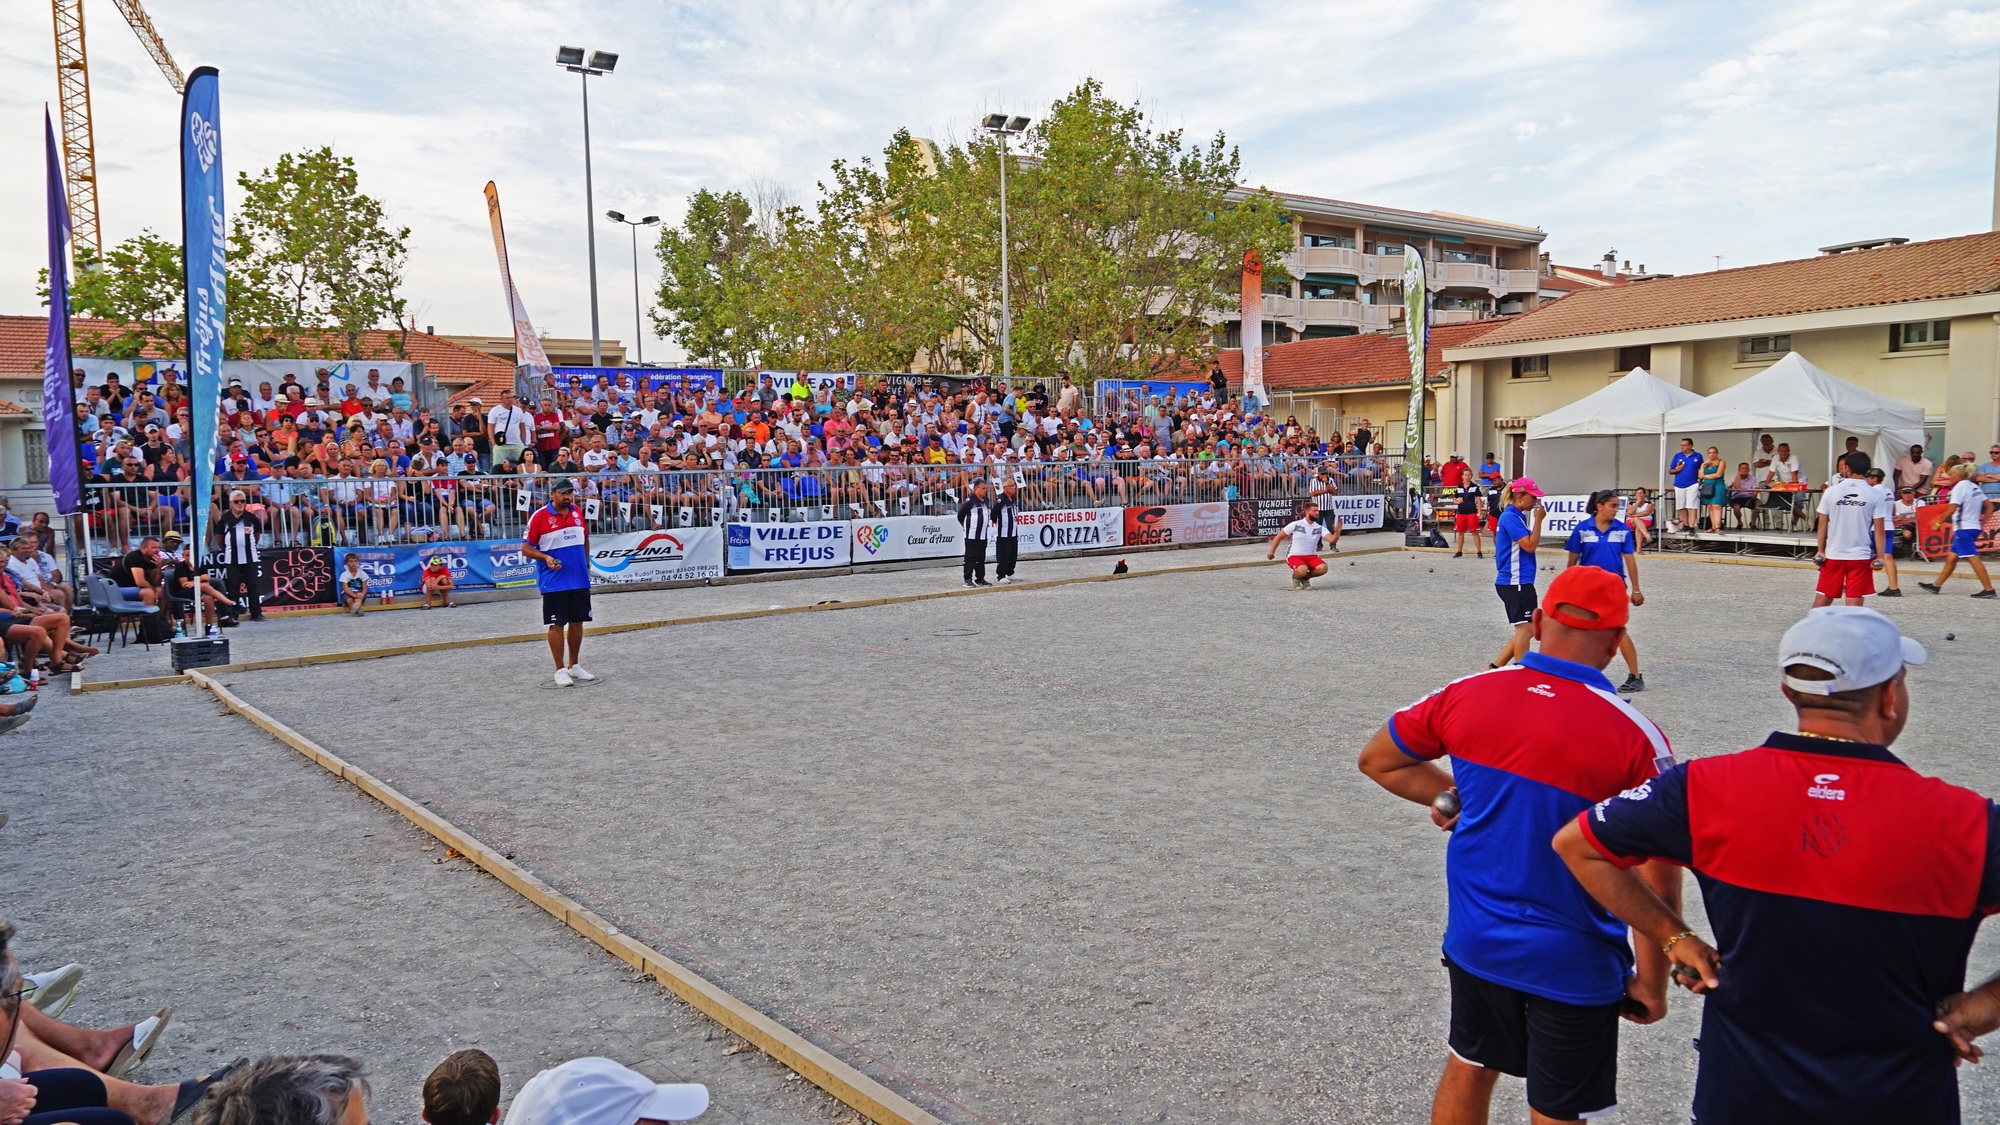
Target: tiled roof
(8,409)
(1373,359)
(460,369)
(1918,271)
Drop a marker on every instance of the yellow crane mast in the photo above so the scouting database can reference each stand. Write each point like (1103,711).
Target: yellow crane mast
(73,105)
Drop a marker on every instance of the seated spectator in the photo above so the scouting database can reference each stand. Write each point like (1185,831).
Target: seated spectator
(288,1090)
(183,578)
(39,633)
(36,572)
(353,586)
(436,582)
(137,574)
(1742,496)
(64,1075)
(463,1090)
(595,1091)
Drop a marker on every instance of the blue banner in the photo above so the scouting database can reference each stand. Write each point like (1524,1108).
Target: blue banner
(493,564)
(58,399)
(677,380)
(203,252)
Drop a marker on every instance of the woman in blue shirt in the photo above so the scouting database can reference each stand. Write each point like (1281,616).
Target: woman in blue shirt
(1607,544)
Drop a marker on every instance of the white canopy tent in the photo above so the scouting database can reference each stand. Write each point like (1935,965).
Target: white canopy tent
(1794,395)
(1579,447)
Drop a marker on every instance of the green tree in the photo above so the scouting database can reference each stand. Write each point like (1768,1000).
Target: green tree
(313,262)
(707,285)
(138,284)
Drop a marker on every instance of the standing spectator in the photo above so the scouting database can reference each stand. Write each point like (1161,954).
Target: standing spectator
(559,542)
(1821,857)
(1988,474)
(1454,472)
(1971,503)
(1006,531)
(1714,488)
(233,537)
(1686,468)
(1218,384)
(975,519)
(513,429)
(1913,469)
(1540,975)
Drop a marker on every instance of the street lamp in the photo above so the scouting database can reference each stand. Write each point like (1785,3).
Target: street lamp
(638,333)
(1003,126)
(600,64)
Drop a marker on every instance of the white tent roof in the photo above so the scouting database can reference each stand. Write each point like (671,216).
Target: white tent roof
(1792,394)
(1635,404)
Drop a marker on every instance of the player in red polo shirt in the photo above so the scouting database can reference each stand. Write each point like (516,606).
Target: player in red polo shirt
(1844,888)
(1540,974)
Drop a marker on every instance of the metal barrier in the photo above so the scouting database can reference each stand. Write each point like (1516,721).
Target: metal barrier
(307,510)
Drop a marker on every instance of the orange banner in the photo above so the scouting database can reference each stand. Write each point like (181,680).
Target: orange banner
(1253,327)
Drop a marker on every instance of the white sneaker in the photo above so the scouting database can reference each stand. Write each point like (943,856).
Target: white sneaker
(52,991)
(578,671)
(562,678)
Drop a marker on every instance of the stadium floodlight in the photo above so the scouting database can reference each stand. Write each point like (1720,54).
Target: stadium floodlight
(1003,126)
(615,216)
(569,56)
(638,330)
(601,63)
(605,61)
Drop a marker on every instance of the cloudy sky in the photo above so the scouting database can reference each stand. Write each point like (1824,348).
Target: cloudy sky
(1673,132)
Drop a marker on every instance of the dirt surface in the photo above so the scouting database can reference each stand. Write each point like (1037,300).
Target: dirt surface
(1080,854)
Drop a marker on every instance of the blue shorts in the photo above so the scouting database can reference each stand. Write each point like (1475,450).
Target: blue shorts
(1965,542)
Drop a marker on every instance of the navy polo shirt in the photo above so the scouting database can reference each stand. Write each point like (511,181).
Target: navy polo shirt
(1605,550)
(1844,889)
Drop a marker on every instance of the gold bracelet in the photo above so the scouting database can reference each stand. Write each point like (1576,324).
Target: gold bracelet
(1667,948)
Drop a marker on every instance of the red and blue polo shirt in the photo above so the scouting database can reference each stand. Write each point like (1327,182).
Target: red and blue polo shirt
(1844,889)
(1532,746)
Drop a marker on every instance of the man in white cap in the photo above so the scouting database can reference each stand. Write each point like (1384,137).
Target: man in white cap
(597,1091)
(1844,889)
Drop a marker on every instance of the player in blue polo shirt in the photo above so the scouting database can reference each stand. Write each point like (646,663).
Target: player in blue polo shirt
(1844,888)
(1605,542)
(1514,542)
(1540,974)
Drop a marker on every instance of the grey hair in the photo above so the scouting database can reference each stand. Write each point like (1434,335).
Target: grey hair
(284,1090)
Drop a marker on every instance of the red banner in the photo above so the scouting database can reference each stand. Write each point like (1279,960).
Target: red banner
(1934,528)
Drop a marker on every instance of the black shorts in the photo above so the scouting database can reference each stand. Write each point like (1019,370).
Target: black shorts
(565,607)
(1567,1052)
(1520,602)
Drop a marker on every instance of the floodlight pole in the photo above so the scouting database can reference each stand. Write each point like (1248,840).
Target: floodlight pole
(638,329)
(590,222)
(1006,304)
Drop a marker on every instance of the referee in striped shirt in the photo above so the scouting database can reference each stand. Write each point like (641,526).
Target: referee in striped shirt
(235,542)
(975,520)
(1006,531)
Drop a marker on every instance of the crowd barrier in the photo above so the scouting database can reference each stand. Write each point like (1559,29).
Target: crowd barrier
(691,526)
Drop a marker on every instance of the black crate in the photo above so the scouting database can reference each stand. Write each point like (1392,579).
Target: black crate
(200,652)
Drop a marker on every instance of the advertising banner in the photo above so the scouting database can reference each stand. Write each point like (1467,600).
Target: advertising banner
(683,555)
(58,407)
(1935,525)
(1261,519)
(204,235)
(1074,529)
(676,380)
(528,350)
(495,564)
(1357,513)
(789,546)
(1253,326)
(288,577)
(908,537)
(1564,513)
(1176,523)
(838,380)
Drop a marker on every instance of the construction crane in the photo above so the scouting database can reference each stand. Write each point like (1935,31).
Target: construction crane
(73,101)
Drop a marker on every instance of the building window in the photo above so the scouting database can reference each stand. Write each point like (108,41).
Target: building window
(1762,347)
(1391,248)
(1921,335)
(1628,358)
(1327,289)
(1328,331)
(1465,256)
(1456,301)
(1331,241)
(38,456)
(1531,366)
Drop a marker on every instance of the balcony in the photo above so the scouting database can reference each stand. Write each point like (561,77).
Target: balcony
(1519,281)
(1280,308)
(1464,275)
(1457,316)
(1350,314)
(1327,259)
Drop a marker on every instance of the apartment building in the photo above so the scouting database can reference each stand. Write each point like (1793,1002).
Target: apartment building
(1347,266)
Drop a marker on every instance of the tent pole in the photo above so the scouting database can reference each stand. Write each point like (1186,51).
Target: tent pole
(1662,495)
(1830,474)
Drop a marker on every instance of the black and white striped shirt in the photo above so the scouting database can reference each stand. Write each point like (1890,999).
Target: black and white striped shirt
(1005,510)
(974,517)
(238,537)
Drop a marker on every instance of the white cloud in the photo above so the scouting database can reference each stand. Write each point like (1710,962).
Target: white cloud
(1674,131)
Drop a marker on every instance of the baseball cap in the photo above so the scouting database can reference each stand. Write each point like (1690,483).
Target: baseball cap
(1588,588)
(171,536)
(1528,485)
(595,1091)
(563,485)
(1859,646)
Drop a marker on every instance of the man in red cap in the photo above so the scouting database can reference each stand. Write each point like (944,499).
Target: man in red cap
(1540,974)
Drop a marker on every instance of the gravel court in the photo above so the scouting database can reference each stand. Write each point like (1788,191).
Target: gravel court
(1087,853)
(186,858)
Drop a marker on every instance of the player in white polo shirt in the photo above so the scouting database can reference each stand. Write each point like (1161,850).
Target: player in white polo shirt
(1304,560)
(1850,535)
(1966,522)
